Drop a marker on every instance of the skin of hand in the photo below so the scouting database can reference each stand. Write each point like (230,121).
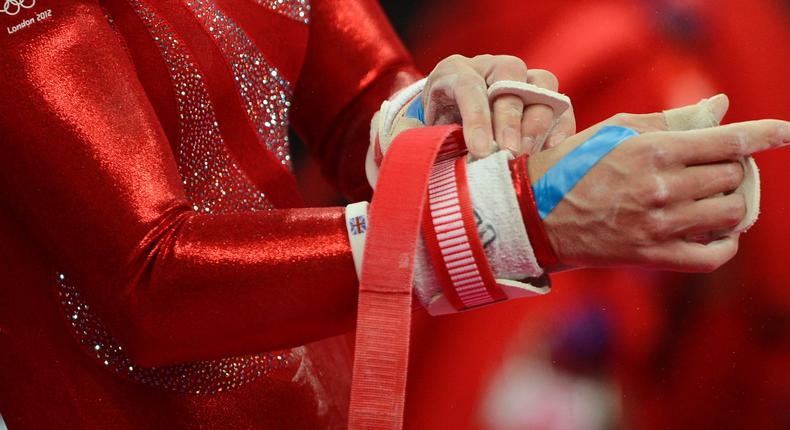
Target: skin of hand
(643,202)
(456,93)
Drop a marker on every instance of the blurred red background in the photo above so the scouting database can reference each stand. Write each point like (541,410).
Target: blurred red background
(646,350)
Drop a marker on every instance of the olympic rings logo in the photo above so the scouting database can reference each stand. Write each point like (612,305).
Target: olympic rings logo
(13,7)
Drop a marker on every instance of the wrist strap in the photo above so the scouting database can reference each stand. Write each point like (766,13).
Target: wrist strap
(452,239)
(536,231)
(384,309)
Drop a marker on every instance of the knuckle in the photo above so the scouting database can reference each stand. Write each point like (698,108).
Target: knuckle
(738,209)
(512,62)
(656,225)
(455,59)
(483,58)
(733,176)
(509,110)
(653,192)
(659,156)
(732,146)
(623,119)
(550,78)
(647,154)
(537,121)
(640,122)
(469,79)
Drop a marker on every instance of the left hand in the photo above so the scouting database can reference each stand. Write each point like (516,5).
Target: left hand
(456,92)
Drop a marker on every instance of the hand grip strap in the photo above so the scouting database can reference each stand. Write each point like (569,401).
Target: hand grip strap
(384,309)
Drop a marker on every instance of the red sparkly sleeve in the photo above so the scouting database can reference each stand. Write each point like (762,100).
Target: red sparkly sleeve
(354,62)
(87,169)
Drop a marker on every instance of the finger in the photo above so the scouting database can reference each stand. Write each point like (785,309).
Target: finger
(711,214)
(699,182)
(508,110)
(472,100)
(728,142)
(683,256)
(707,113)
(564,129)
(538,119)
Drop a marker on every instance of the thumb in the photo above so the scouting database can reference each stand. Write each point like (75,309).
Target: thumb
(707,113)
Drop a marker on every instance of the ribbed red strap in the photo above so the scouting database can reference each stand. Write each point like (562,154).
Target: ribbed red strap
(536,232)
(452,239)
(378,387)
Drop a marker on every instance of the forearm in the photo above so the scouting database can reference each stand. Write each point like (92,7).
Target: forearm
(212,286)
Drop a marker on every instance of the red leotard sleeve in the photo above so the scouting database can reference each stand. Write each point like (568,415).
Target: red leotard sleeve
(88,170)
(354,62)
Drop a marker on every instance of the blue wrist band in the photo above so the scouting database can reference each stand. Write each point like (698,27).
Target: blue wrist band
(415,109)
(563,176)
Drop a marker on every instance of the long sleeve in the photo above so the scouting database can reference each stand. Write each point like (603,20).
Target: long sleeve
(354,61)
(88,171)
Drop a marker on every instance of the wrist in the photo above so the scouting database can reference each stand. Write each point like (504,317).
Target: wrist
(543,247)
(491,224)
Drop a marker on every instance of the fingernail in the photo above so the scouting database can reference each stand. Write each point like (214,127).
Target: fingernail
(719,104)
(511,141)
(480,144)
(528,144)
(786,133)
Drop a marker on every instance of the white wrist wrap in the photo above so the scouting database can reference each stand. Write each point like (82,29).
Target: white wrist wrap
(500,225)
(383,127)
(501,230)
(357,228)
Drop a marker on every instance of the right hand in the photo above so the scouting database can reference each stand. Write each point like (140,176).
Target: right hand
(639,205)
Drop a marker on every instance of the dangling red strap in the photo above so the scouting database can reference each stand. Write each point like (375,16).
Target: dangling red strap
(378,387)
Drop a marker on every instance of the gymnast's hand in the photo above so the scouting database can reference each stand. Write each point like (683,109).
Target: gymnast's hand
(455,93)
(646,201)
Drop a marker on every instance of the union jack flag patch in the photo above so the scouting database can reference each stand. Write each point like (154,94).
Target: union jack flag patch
(358,225)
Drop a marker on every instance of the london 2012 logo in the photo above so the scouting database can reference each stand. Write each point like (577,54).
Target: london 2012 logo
(13,7)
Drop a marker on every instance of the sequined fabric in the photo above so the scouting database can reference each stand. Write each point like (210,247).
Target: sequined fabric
(266,95)
(113,174)
(212,180)
(214,184)
(203,377)
(296,9)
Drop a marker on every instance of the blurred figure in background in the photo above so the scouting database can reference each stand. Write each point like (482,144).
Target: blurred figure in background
(678,351)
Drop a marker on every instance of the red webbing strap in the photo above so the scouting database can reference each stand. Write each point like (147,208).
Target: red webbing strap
(536,232)
(381,357)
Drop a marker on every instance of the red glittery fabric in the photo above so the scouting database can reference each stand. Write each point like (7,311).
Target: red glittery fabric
(145,157)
